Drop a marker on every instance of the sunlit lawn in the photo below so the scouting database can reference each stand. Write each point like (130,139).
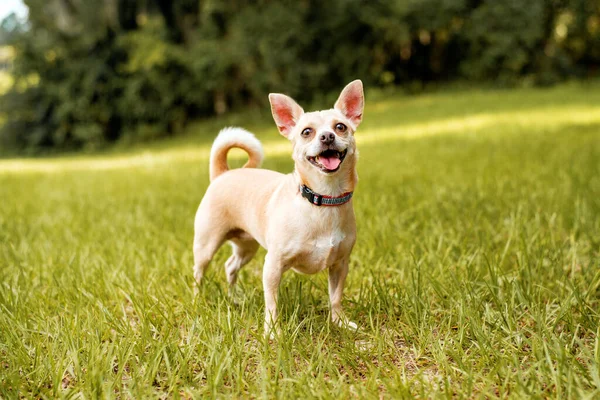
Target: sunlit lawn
(476,271)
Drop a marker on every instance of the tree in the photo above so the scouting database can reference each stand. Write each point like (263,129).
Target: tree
(10,26)
(92,72)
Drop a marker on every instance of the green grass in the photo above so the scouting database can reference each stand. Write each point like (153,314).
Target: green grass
(475,274)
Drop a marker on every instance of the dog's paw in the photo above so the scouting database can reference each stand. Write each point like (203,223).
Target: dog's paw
(272,332)
(236,295)
(351,326)
(346,324)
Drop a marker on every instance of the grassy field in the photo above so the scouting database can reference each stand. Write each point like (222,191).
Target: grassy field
(475,274)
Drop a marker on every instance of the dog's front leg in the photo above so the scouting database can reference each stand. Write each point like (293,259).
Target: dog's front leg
(272,272)
(337,277)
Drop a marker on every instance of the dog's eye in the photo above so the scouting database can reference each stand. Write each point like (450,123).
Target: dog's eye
(340,127)
(306,132)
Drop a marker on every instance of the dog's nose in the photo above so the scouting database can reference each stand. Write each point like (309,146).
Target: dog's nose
(327,137)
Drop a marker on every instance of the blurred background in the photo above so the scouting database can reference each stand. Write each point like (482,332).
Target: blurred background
(81,74)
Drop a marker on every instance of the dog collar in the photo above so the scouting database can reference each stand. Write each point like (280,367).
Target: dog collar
(322,200)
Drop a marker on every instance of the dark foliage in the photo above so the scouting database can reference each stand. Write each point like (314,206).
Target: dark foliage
(88,72)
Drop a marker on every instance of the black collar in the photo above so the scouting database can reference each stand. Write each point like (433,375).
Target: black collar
(322,200)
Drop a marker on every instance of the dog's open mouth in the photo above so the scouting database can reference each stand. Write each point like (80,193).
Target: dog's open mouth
(329,160)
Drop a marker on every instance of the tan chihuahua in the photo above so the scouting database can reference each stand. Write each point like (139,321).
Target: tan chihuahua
(305,219)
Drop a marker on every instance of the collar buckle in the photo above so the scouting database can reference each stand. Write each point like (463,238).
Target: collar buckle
(317,199)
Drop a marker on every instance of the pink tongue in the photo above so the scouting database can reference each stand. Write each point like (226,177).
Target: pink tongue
(330,163)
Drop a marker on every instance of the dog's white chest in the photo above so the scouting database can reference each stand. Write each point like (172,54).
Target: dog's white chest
(331,241)
(322,252)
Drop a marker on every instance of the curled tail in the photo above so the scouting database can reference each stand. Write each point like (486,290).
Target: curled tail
(229,138)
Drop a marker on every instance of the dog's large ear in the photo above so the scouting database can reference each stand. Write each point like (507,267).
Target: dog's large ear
(351,102)
(286,112)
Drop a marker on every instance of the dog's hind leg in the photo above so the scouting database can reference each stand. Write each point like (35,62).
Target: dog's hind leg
(244,248)
(206,244)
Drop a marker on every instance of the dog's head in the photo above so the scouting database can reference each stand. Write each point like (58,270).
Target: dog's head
(323,140)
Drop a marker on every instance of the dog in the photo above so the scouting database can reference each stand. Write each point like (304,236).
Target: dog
(305,219)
